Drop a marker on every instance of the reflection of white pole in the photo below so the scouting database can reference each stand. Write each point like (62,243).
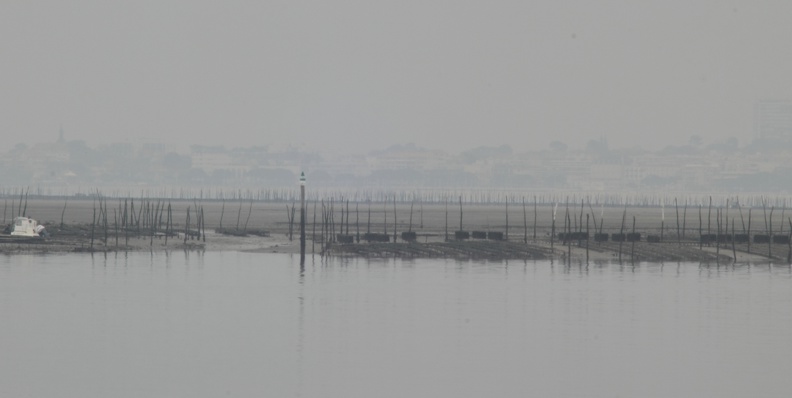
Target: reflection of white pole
(302,218)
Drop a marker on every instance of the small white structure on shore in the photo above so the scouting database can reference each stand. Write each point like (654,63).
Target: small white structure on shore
(24,226)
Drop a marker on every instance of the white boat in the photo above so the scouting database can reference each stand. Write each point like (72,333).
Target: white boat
(24,227)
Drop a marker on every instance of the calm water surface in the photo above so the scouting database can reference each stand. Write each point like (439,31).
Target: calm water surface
(244,325)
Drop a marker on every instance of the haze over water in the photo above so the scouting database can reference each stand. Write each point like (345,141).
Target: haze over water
(242,324)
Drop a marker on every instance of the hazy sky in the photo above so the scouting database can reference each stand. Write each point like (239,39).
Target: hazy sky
(365,74)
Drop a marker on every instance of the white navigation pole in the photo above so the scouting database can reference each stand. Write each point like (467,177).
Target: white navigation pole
(302,218)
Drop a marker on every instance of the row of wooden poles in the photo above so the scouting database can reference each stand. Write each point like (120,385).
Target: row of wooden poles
(330,232)
(149,219)
(438,195)
(723,233)
(17,211)
(152,218)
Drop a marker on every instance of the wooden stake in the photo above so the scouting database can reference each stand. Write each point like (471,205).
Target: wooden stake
(593,216)
(684,220)
(105,223)
(632,250)
(168,224)
(250,211)
(749,230)
(222,211)
(137,219)
(552,227)
(332,237)
(460,213)
(421,211)
(709,215)
(718,236)
(93,225)
(525,222)
(187,226)
(587,238)
(568,230)
(203,225)
(24,212)
(395,220)
(446,220)
(770,241)
(115,223)
(676,206)
(507,218)
(621,232)
(152,226)
(409,229)
(564,228)
(313,234)
(535,217)
(324,222)
(63,212)
(239,215)
(764,211)
(126,227)
(734,249)
(701,240)
(289,219)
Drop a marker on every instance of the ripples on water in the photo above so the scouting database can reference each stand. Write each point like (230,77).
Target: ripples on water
(239,324)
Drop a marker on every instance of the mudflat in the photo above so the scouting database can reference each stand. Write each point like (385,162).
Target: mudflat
(519,230)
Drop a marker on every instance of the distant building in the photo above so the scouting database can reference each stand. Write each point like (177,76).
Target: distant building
(773,120)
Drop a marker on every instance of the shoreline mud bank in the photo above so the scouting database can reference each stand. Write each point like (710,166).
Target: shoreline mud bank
(430,229)
(436,248)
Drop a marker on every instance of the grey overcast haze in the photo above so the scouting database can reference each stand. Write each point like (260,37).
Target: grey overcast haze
(355,76)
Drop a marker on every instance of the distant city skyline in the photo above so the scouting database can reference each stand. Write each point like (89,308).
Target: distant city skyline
(61,134)
(64,165)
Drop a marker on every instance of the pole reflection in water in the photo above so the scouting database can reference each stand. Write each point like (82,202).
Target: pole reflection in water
(246,324)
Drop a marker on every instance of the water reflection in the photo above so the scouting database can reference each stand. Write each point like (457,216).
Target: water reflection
(242,324)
